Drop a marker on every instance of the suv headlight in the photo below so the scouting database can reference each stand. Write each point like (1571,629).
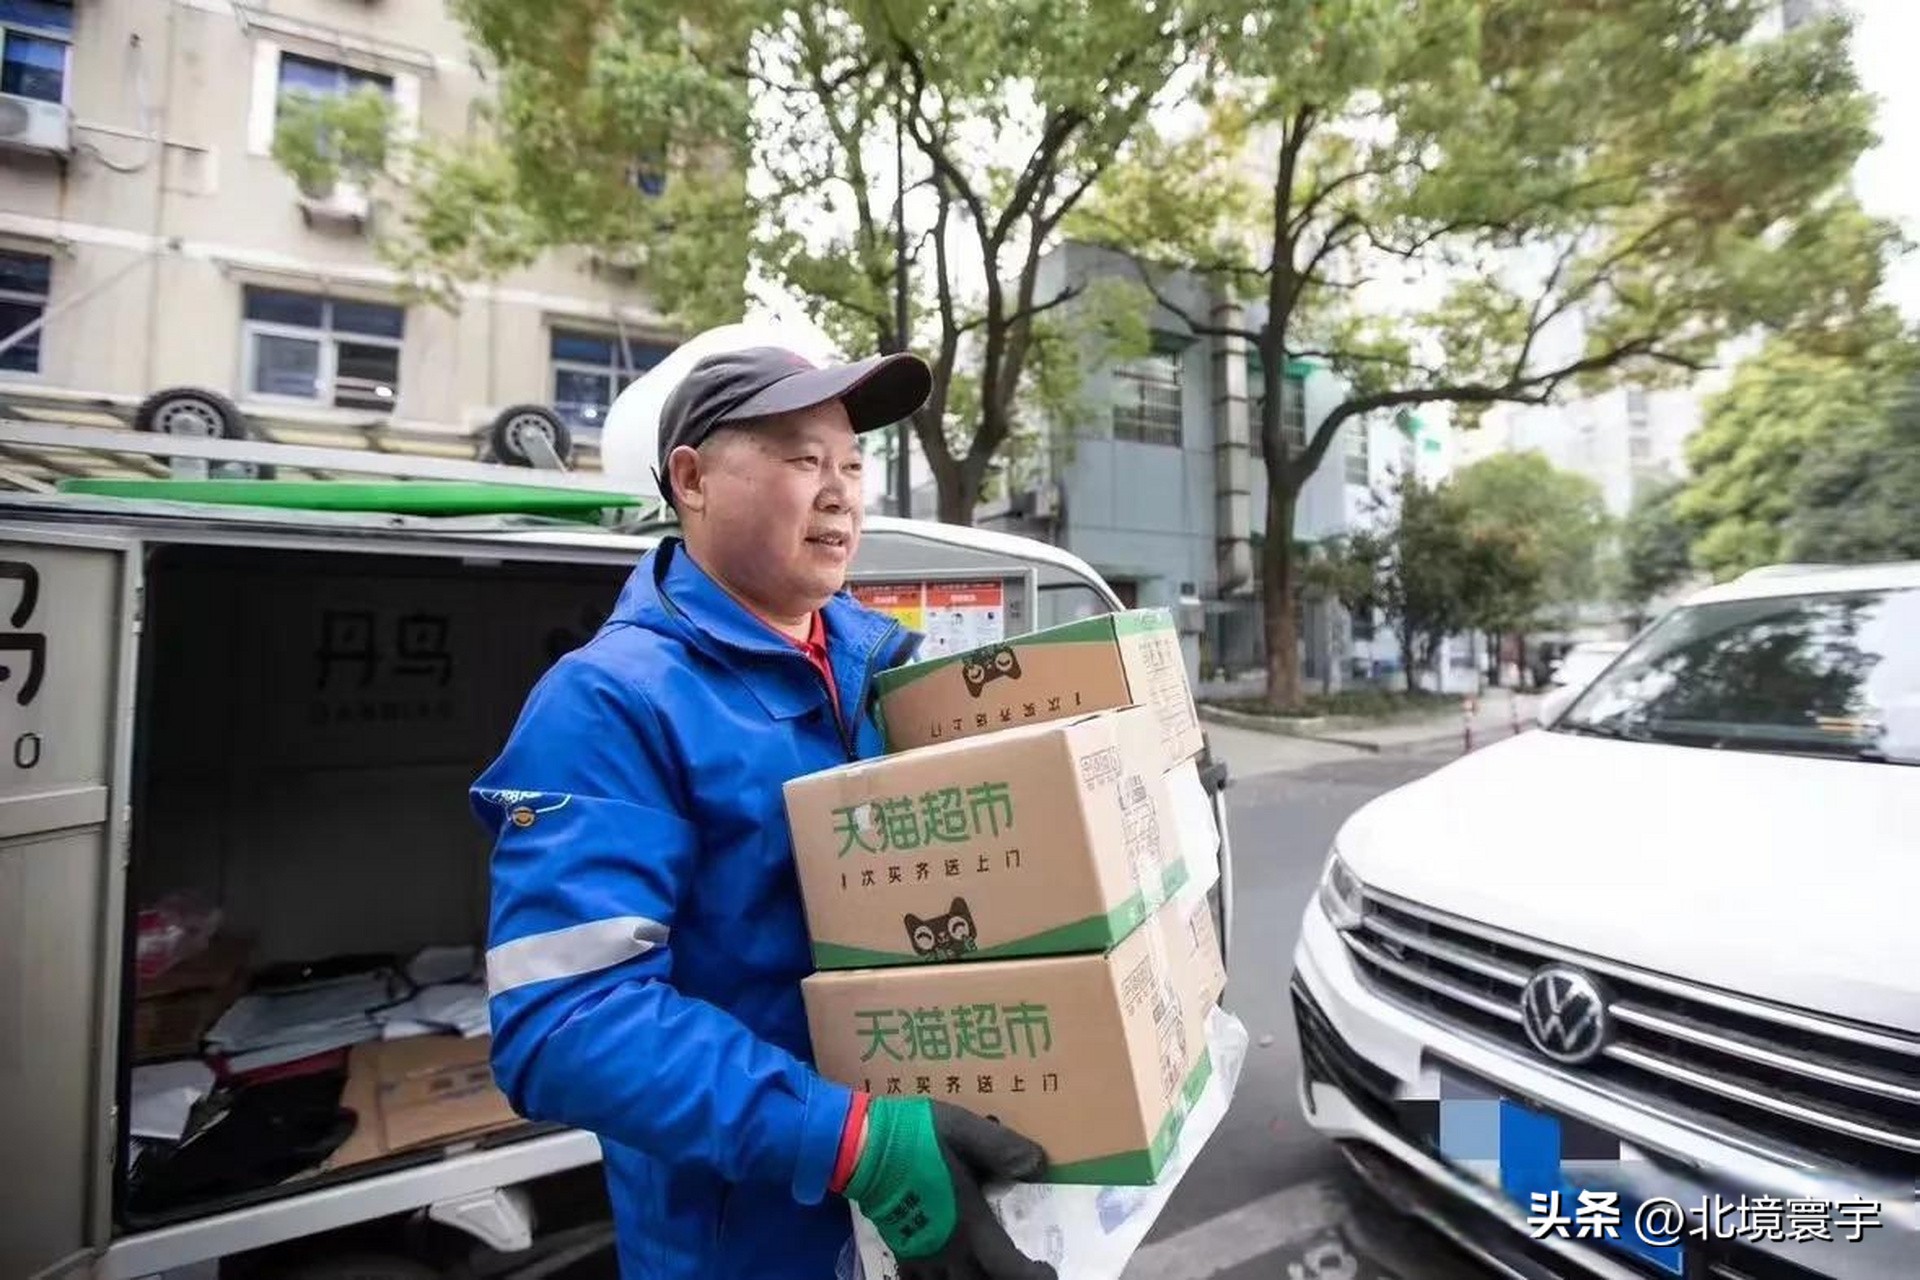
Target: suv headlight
(1340,894)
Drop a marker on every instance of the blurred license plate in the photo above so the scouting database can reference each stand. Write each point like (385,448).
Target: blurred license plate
(1558,1170)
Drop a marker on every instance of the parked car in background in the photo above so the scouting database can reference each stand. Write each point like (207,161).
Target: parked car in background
(1574,672)
(1530,1008)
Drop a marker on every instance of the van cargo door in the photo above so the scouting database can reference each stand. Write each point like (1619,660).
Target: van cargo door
(68,610)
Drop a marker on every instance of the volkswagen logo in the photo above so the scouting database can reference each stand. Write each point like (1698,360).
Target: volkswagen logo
(1565,1015)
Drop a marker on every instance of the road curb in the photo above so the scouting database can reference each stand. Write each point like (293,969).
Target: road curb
(1303,729)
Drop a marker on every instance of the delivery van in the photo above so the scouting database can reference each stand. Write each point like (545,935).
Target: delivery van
(238,721)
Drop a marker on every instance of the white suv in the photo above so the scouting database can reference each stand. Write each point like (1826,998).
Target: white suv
(1658,961)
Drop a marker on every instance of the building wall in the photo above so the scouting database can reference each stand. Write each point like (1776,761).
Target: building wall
(1149,516)
(205,210)
(1622,440)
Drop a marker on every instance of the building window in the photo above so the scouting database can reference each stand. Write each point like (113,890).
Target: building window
(338,351)
(320,79)
(1146,399)
(1359,453)
(25,281)
(1293,409)
(588,373)
(36,40)
(280,75)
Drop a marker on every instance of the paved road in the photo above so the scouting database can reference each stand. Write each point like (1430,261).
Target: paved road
(1268,1198)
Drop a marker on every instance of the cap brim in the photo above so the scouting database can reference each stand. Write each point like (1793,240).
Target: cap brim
(877,392)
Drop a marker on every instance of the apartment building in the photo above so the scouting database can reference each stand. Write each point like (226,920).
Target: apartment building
(1625,440)
(1161,485)
(148,232)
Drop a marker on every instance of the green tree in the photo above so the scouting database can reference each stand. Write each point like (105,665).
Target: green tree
(1788,404)
(1557,523)
(1605,190)
(1343,570)
(1857,499)
(321,139)
(1438,574)
(737,147)
(1655,548)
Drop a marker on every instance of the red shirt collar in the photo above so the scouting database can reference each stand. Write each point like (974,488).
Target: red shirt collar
(816,642)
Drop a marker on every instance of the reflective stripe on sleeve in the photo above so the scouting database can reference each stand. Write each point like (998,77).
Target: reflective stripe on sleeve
(571,952)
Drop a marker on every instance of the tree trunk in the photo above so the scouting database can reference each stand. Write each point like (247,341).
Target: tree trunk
(1493,651)
(1407,663)
(1277,573)
(1520,656)
(956,498)
(956,485)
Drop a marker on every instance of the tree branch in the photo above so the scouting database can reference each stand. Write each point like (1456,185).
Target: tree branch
(1311,205)
(1038,172)
(931,146)
(1535,389)
(1281,291)
(1330,244)
(1198,328)
(1029,312)
(1601,272)
(842,134)
(1535,321)
(930,419)
(1420,245)
(1337,358)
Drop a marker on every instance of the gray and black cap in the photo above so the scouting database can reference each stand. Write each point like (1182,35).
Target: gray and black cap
(736,387)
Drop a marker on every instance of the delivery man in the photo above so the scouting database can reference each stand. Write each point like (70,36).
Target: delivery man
(646,940)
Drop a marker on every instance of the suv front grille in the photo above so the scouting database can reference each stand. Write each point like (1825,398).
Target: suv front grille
(1762,1075)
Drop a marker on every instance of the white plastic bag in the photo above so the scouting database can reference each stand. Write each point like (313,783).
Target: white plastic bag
(1089,1233)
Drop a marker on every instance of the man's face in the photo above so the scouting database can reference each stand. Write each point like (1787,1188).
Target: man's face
(774,509)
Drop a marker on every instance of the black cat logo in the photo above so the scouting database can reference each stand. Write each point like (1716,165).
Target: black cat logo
(980,670)
(946,937)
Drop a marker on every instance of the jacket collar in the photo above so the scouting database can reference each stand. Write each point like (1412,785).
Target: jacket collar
(667,591)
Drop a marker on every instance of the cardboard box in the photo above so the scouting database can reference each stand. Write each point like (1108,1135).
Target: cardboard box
(419,1091)
(1098,664)
(173,1012)
(1193,942)
(1045,840)
(1095,1057)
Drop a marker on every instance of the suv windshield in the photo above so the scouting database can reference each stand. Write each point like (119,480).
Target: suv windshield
(1830,674)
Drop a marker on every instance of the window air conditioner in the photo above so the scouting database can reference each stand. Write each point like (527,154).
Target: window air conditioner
(28,124)
(622,264)
(345,205)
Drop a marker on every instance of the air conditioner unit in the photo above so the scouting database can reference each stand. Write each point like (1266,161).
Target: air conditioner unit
(345,205)
(28,124)
(622,264)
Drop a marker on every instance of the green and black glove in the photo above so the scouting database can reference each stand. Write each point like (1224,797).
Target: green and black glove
(918,1180)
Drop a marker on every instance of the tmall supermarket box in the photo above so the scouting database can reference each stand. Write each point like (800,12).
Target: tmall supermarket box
(1098,1058)
(1097,664)
(1043,840)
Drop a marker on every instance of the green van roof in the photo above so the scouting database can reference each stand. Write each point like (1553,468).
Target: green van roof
(410,497)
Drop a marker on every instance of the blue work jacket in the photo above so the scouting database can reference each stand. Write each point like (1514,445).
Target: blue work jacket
(646,939)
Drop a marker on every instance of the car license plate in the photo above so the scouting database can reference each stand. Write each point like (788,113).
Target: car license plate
(1561,1172)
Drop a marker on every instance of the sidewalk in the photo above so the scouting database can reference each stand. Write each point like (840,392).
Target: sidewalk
(1249,753)
(1500,714)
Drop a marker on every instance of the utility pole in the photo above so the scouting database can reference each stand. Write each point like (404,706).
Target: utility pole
(903,437)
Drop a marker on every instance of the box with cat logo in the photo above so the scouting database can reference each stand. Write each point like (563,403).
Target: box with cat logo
(1097,664)
(1042,840)
(1097,1058)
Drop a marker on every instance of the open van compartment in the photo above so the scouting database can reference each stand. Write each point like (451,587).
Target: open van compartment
(281,712)
(307,725)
